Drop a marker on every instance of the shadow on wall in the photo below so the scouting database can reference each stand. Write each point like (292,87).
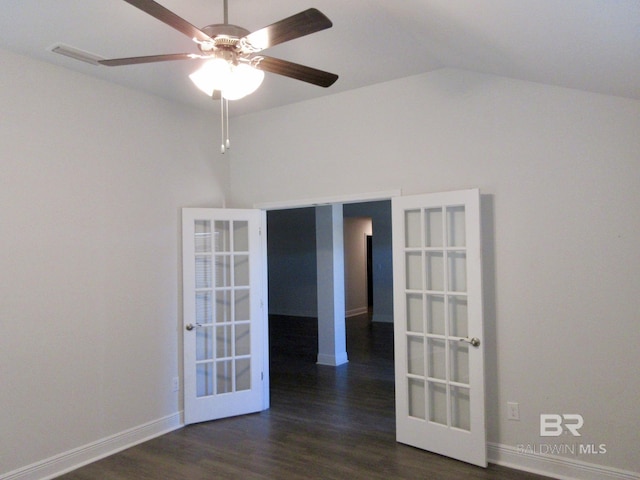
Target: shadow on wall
(487,234)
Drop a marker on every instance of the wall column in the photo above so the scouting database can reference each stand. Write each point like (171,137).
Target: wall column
(332,340)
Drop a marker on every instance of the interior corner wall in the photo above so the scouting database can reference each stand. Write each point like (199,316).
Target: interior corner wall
(560,178)
(93,180)
(356,230)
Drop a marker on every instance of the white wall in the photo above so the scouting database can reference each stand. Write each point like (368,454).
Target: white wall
(560,174)
(92,180)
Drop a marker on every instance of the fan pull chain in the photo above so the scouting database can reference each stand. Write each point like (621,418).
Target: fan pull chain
(225,143)
(226,103)
(222,147)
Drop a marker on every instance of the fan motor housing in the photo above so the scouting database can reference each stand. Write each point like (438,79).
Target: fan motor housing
(224,36)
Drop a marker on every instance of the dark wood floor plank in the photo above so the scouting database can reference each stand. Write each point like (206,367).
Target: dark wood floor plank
(324,423)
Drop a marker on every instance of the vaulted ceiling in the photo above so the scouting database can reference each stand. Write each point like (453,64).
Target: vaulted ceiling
(592,45)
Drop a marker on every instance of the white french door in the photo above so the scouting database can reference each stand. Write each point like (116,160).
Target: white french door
(439,363)
(225,319)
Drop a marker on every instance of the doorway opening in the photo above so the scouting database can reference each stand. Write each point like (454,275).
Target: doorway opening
(291,254)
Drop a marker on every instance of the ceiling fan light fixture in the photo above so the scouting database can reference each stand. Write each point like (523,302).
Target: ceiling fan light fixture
(234,81)
(213,75)
(244,81)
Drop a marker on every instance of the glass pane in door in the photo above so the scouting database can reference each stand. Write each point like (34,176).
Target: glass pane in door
(204,343)
(458,361)
(223,341)
(243,339)
(204,379)
(438,403)
(223,270)
(436,358)
(460,408)
(224,376)
(222,236)
(416,398)
(435,271)
(457,272)
(203,271)
(243,374)
(242,305)
(204,307)
(414,270)
(456,235)
(415,354)
(223,306)
(458,316)
(435,314)
(413,238)
(240,236)
(241,270)
(414,313)
(202,236)
(433,227)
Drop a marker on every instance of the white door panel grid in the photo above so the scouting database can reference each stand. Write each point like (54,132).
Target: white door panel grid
(439,364)
(225,321)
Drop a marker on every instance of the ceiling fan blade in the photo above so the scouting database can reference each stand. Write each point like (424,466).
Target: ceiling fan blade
(116,62)
(167,16)
(298,72)
(290,28)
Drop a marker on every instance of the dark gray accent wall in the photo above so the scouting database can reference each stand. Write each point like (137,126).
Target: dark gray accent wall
(291,246)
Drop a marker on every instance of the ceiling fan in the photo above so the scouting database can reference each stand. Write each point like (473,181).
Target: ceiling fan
(234,68)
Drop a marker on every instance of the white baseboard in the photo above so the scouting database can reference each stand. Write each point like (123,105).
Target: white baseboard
(356,311)
(554,466)
(332,360)
(73,459)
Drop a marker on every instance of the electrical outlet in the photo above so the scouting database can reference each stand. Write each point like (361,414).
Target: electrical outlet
(176,384)
(513,411)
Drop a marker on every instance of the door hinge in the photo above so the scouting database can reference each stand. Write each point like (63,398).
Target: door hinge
(261,375)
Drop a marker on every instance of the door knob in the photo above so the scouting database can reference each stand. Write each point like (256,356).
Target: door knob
(191,326)
(475,341)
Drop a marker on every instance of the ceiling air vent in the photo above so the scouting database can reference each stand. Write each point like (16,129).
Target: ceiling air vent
(76,54)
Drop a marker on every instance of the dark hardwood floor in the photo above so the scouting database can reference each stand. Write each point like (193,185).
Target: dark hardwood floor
(324,423)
